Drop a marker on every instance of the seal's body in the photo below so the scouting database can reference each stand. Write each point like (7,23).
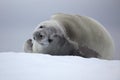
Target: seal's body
(73,31)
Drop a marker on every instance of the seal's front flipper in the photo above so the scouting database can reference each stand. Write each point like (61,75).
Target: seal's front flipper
(28,46)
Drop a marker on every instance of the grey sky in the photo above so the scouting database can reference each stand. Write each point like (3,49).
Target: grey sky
(19,17)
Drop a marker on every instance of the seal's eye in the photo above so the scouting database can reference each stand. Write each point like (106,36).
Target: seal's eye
(41,36)
(50,40)
(41,27)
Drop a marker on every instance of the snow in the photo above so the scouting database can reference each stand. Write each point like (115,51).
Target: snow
(30,66)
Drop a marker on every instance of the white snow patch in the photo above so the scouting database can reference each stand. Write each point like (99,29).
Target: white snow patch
(29,66)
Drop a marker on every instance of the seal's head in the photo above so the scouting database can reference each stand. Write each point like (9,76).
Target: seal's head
(47,33)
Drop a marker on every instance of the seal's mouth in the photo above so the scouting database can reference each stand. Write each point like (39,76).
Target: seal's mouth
(45,44)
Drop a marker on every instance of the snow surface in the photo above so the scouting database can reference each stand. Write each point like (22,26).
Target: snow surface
(29,66)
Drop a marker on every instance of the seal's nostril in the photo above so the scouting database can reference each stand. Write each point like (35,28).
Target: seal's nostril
(38,35)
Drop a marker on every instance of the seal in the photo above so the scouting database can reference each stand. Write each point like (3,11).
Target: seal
(66,34)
